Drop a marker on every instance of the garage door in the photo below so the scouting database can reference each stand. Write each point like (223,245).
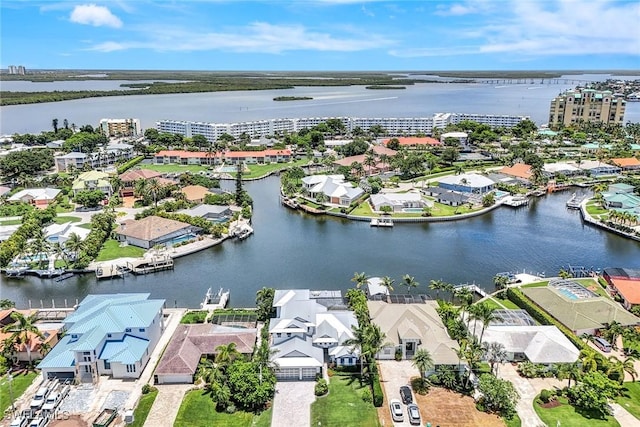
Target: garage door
(291,374)
(309,374)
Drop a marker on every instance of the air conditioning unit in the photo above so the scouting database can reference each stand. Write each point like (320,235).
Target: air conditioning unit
(128,416)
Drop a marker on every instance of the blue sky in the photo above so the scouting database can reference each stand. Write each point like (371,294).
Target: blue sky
(321,34)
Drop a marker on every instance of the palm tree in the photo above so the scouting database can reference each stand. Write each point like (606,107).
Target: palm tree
(629,367)
(495,354)
(140,188)
(616,369)
(226,354)
(74,244)
(500,281)
(436,285)
(59,253)
(487,314)
(262,357)
(589,360)
(359,342)
(23,329)
(360,279)
(410,282)
(570,371)
(611,333)
(423,361)
(387,283)
(154,187)
(370,160)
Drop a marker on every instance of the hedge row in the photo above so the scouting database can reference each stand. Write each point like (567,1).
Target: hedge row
(378,396)
(518,298)
(128,165)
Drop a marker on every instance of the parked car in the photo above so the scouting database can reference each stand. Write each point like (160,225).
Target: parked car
(39,397)
(405,394)
(396,410)
(39,422)
(51,402)
(414,414)
(20,421)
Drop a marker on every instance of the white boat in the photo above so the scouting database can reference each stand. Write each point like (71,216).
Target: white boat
(381,222)
(215,301)
(244,232)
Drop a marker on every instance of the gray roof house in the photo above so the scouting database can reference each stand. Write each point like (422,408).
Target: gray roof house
(208,211)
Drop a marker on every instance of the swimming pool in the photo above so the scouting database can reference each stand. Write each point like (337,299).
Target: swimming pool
(184,238)
(567,293)
(227,169)
(413,210)
(500,194)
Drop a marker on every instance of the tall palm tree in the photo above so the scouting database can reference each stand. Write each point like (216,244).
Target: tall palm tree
(616,369)
(436,285)
(360,279)
(629,367)
(74,244)
(23,329)
(370,160)
(589,360)
(226,354)
(611,333)
(500,281)
(487,314)
(448,287)
(495,353)
(410,282)
(423,361)
(570,371)
(387,282)
(140,188)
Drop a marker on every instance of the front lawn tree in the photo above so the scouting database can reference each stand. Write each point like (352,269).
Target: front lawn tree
(499,396)
(593,392)
(89,199)
(248,388)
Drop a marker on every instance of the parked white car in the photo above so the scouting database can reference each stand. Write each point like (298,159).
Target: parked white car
(396,410)
(39,398)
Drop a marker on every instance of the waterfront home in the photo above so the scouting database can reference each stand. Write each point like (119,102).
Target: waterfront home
(153,230)
(38,197)
(521,172)
(232,157)
(375,288)
(7,230)
(627,164)
(36,344)
(378,150)
(624,283)
(467,183)
(60,233)
(593,148)
(110,334)
(446,197)
(560,168)
(310,327)
(409,327)
(208,212)
(596,168)
(257,157)
(416,142)
(195,193)
(397,201)
(189,343)
(334,187)
(92,180)
(620,196)
(101,159)
(577,308)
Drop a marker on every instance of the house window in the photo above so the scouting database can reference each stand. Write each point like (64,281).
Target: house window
(108,335)
(128,330)
(278,335)
(131,368)
(141,329)
(107,365)
(288,334)
(74,336)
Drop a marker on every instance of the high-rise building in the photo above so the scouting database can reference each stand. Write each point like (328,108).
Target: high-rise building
(588,105)
(120,127)
(16,70)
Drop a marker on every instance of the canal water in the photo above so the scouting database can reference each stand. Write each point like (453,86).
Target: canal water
(293,250)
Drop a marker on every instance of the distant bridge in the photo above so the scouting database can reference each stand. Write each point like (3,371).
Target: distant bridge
(535,81)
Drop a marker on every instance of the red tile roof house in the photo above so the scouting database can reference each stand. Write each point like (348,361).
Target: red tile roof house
(416,142)
(378,150)
(229,157)
(627,164)
(153,230)
(130,178)
(625,283)
(189,343)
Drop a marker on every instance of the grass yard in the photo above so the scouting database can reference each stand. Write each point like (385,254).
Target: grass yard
(198,410)
(513,422)
(630,399)
(85,225)
(194,317)
(364,209)
(65,219)
(566,415)
(440,209)
(143,408)
(594,208)
(498,303)
(112,250)
(18,386)
(343,406)
(11,222)
(256,171)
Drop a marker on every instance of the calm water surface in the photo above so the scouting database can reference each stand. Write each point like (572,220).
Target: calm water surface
(289,249)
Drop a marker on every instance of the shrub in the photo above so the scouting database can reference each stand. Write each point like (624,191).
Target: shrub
(420,385)
(128,165)
(378,396)
(231,409)
(146,389)
(366,396)
(545,395)
(321,387)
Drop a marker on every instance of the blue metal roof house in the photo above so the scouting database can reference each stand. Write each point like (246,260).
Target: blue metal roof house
(111,334)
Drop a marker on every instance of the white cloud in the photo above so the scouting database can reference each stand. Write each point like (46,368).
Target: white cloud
(455,9)
(91,14)
(259,37)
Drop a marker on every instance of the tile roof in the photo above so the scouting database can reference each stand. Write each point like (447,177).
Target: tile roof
(519,170)
(195,192)
(150,228)
(473,180)
(626,162)
(136,174)
(628,288)
(36,193)
(415,140)
(189,342)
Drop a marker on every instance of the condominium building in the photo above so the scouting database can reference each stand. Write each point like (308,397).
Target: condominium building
(120,127)
(394,126)
(16,69)
(588,105)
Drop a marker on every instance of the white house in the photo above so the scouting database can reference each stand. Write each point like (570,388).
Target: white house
(39,197)
(397,201)
(60,233)
(467,183)
(110,334)
(309,328)
(334,187)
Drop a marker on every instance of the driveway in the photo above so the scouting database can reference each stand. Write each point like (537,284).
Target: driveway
(393,375)
(165,408)
(292,404)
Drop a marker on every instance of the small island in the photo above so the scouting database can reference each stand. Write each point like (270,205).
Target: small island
(385,87)
(292,98)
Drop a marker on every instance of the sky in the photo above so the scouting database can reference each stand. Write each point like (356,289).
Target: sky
(319,35)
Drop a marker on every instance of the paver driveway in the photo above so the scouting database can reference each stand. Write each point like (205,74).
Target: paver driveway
(292,404)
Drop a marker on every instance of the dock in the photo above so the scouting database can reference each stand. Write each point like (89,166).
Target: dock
(473,288)
(110,271)
(574,202)
(381,222)
(215,301)
(151,265)
(515,201)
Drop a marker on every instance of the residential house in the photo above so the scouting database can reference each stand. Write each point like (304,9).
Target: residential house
(416,142)
(195,193)
(446,197)
(310,327)
(38,197)
(462,137)
(189,343)
(596,168)
(379,167)
(625,283)
(110,334)
(214,213)
(521,172)
(409,327)
(153,230)
(101,159)
(60,233)
(397,201)
(620,197)
(467,183)
(38,345)
(129,179)
(334,187)
(92,180)
(231,157)
(560,168)
(627,164)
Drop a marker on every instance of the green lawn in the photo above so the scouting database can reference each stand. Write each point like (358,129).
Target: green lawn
(65,219)
(198,410)
(568,416)
(343,406)
(11,222)
(197,316)
(630,399)
(86,225)
(112,250)
(256,171)
(440,209)
(584,282)
(143,408)
(495,302)
(594,208)
(363,209)
(18,386)
(513,422)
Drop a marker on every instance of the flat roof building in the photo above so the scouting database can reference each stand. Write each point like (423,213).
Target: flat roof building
(586,105)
